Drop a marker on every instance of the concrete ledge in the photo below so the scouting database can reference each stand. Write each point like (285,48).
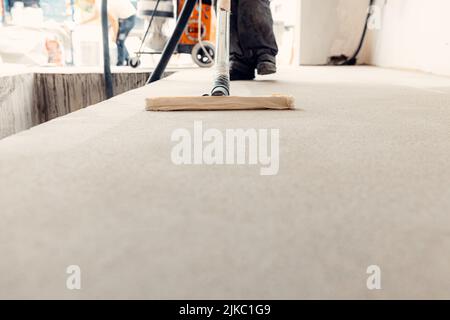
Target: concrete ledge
(30,97)
(17,108)
(58,94)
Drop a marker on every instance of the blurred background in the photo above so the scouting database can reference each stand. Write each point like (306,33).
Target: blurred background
(51,33)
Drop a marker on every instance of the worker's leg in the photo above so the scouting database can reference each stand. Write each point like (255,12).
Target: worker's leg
(242,64)
(255,27)
(125,26)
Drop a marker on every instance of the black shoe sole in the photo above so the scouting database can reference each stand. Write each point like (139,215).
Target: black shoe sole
(266,68)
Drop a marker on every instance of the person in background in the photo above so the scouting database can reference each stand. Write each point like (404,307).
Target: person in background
(253,44)
(122,17)
(26,3)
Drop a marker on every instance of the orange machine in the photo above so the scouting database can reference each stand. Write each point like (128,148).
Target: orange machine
(189,42)
(198,37)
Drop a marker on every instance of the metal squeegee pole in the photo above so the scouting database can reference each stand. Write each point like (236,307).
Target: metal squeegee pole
(173,41)
(222,77)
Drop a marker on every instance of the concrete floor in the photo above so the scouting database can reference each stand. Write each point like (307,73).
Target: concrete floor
(364,180)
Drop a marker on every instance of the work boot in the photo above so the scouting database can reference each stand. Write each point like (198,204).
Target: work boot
(266,65)
(241,71)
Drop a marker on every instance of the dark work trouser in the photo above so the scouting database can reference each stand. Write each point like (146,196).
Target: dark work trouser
(125,26)
(252,36)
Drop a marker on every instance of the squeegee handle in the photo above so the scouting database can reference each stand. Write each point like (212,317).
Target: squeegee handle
(222,76)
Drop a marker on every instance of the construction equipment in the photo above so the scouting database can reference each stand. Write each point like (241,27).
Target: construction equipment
(200,33)
(197,38)
(219,98)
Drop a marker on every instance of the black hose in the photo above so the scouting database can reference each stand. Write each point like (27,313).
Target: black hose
(221,86)
(343,60)
(173,41)
(106,59)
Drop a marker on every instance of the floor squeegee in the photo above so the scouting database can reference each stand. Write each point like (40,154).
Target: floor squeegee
(220,97)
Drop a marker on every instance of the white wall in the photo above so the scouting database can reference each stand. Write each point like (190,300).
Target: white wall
(414,34)
(286,19)
(330,27)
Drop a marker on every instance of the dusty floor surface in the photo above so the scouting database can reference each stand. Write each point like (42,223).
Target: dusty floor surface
(364,179)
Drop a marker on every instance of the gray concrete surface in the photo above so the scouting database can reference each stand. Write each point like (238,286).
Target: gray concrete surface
(364,180)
